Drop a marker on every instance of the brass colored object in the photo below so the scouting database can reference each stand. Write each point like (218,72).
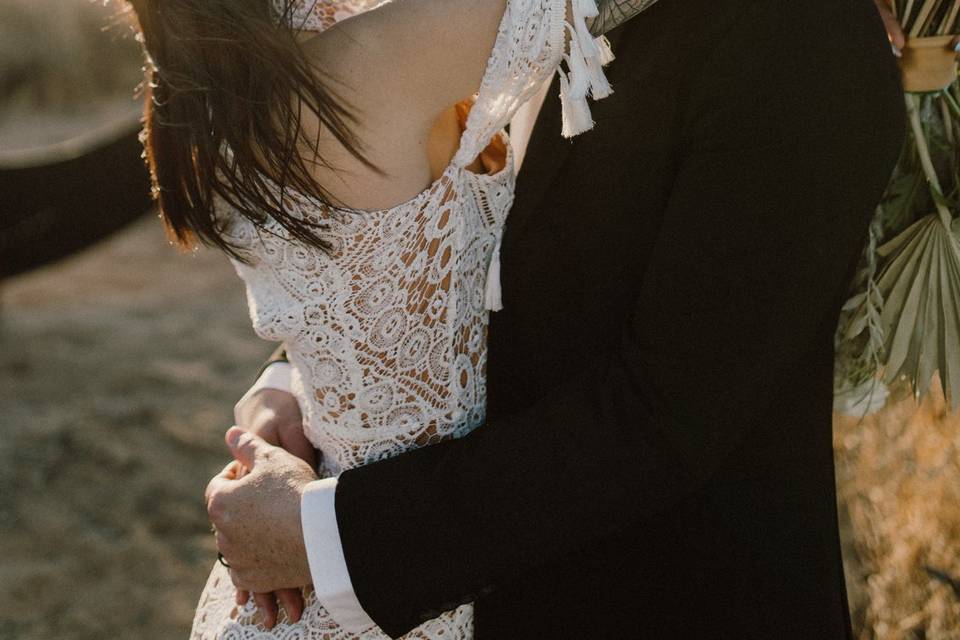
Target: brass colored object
(929,64)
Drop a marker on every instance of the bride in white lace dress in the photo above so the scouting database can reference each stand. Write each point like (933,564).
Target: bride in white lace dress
(385,324)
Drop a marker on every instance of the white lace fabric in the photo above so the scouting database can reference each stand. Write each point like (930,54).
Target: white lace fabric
(319,15)
(387,332)
(218,616)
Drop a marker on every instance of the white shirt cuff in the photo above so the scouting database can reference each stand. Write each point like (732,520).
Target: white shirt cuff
(277,376)
(328,566)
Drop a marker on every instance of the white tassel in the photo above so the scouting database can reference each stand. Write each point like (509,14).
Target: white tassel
(599,85)
(585,8)
(577,118)
(579,77)
(606,51)
(588,44)
(585,62)
(493,296)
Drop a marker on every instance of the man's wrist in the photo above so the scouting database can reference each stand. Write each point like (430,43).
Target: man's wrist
(328,566)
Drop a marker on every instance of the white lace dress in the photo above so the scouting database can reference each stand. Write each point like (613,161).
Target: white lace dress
(387,332)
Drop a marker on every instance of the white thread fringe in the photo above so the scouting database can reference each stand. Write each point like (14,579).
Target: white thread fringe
(585,61)
(493,296)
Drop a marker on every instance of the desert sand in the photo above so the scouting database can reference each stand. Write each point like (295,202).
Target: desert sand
(118,372)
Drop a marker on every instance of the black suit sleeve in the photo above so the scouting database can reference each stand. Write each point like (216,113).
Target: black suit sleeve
(790,133)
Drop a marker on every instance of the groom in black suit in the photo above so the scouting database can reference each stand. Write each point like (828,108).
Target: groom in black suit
(657,459)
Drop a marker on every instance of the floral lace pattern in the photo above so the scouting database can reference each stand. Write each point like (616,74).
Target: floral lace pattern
(319,15)
(218,616)
(387,331)
(387,335)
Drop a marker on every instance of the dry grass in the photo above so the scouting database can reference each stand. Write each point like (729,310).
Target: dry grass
(899,479)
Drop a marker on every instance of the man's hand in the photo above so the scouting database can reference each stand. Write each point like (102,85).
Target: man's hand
(894,31)
(275,416)
(254,505)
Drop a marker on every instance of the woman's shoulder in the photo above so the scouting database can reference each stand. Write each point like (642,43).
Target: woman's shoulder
(429,53)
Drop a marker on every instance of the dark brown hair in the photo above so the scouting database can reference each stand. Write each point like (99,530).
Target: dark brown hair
(228,74)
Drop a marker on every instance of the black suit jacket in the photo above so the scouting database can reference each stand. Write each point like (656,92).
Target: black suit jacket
(657,459)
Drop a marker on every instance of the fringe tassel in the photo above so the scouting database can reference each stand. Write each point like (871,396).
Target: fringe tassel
(606,51)
(493,296)
(578,65)
(585,63)
(576,111)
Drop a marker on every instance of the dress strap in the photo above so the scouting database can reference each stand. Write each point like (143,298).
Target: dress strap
(530,46)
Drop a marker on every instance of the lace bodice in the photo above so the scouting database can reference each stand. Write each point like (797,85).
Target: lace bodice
(387,332)
(386,335)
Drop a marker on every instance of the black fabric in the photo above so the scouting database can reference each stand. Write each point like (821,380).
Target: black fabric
(657,459)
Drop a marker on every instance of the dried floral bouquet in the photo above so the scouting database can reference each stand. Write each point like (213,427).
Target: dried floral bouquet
(903,320)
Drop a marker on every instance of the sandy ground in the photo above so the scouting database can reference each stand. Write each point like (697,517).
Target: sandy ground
(898,476)
(118,372)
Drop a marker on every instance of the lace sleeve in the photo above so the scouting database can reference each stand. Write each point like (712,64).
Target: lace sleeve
(530,46)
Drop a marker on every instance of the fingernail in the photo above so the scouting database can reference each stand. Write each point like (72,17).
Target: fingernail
(896,50)
(234,436)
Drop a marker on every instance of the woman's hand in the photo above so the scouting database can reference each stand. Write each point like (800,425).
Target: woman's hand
(275,416)
(894,31)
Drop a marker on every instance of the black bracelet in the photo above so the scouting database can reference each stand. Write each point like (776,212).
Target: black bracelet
(280,358)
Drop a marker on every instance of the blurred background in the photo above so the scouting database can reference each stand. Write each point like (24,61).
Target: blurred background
(119,364)
(121,358)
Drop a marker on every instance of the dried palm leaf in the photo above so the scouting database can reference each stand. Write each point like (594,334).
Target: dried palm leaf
(920,283)
(904,319)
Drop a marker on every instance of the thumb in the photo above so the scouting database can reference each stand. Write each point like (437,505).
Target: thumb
(245,447)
